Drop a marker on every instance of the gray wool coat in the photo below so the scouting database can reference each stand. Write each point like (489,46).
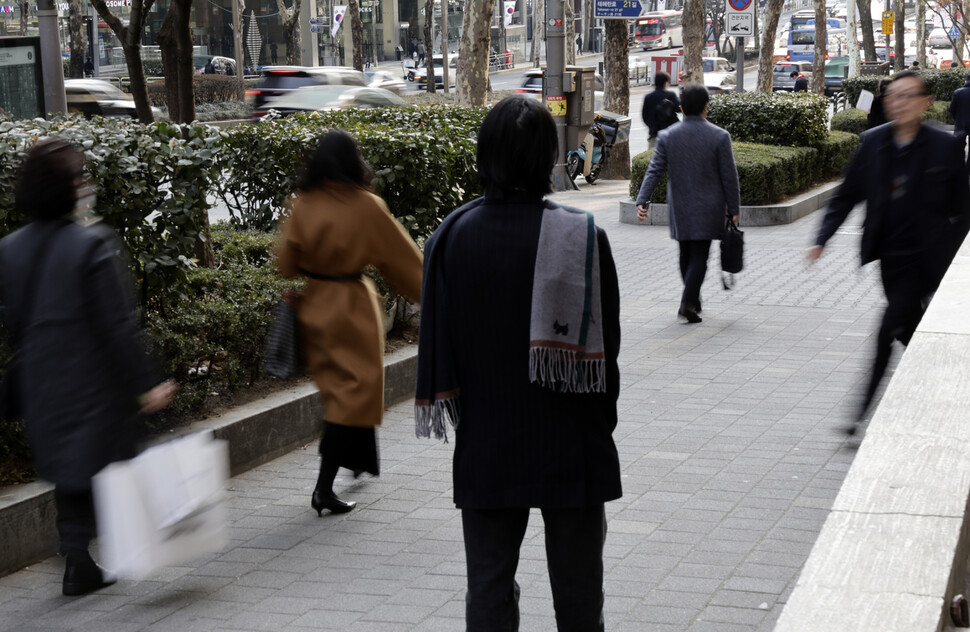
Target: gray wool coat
(82,363)
(702,187)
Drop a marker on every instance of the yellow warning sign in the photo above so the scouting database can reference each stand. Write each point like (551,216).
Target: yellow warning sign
(887,22)
(556,105)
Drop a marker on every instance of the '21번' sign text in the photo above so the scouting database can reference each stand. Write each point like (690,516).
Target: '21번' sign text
(616,9)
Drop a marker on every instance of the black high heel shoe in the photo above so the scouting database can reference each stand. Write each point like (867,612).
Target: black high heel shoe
(321,501)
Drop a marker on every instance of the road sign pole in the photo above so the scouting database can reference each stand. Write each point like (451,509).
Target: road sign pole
(552,93)
(739,45)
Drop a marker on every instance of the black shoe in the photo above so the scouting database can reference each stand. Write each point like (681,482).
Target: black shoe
(690,314)
(82,575)
(329,501)
(357,474)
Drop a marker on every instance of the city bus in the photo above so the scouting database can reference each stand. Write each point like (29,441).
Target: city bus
(659,29)
(800,20)
(801,44)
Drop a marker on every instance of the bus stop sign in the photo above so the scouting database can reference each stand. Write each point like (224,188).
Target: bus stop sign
(616,9)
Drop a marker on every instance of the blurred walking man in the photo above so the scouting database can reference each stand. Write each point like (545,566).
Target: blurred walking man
(913,181)
(660,108)
(702,190)
(960,109)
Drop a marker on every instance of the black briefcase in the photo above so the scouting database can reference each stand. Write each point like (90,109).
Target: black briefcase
(732,252)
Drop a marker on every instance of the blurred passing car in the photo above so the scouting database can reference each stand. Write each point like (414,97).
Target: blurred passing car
(94,97)
(719,75)
(384,79)
(532,84)
(938,39)
(421,72)
(275,81)
(322,98)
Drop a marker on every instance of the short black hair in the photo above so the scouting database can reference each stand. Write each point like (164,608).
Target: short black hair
(336,158)
(915,75)
(517,149)
(883,84)
(47,180)
(661,79)
(793,73)
(693,98)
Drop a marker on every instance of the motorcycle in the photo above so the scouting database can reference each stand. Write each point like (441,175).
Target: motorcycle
(588,159)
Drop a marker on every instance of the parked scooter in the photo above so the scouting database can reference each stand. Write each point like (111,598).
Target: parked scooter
(607,129)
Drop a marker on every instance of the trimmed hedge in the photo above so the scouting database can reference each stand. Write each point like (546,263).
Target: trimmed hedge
(940,82)
(773,118)
(207,88)
(852,121)
(769,173)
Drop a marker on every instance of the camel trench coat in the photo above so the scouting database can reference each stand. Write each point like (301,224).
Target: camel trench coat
(337,231)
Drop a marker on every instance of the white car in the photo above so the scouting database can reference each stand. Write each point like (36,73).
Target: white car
(938,39)
(95,97)
(719,75)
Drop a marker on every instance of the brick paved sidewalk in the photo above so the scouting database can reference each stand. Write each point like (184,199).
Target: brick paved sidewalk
(726,437)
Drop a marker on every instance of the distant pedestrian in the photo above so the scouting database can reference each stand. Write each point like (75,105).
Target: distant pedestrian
(337,226)
(702,190)
(82,372)
(915,65)
(273,51)
(421,52)
(960,110)
(399,51)
(209,68)
(877,116)
(579,44)
(660,108)
(88,67)
(912,178)
(520,332)
(801,83)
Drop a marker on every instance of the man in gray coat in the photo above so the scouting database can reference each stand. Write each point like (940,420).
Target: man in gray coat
(702,190)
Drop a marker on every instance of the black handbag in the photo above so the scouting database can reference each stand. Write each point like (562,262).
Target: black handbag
(732,252)
(283,353)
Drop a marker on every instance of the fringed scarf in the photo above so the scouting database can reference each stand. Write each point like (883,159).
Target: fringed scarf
(566,351)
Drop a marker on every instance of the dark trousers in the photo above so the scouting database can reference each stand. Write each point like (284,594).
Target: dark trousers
(908,284)
(574,550)
(693,269)
(962,139)
(75,520)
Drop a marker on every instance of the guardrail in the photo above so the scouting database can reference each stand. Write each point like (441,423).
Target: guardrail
(892,554)
(641,75)
(839,102)
(501,61)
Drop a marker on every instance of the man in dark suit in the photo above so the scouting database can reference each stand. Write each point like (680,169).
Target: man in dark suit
(960,109)
(912,178)
(652,110)
(801,83)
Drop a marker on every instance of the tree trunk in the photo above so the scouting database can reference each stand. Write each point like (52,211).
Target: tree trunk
(538,27)
(766,61)
(920,29)
(818,62)
(617,97)
(428,45)
(588,25)
(473,51)
(899,13)
(24,8)
(291,30)
(76,29)
(570,14)
(868,38)
(356,33)
(693,41)
(129,35)
(175,41)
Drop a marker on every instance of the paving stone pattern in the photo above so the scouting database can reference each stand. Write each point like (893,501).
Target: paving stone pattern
(727,442)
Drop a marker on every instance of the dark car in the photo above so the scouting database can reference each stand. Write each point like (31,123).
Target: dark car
(275,81)
(781,73)
(836,69)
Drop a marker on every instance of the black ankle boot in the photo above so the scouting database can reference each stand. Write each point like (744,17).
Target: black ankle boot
(82,575)
(329,500)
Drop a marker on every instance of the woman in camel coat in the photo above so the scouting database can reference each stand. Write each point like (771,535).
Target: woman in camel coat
(337,226)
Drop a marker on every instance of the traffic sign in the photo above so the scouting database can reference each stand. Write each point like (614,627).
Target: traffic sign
(318,28)
(617,9)
(739,18)
(317,21)
(887,22)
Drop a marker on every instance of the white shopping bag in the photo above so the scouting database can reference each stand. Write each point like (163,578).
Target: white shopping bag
(162,508)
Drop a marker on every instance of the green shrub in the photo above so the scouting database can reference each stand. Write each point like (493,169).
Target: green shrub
(153,67)
(853,87)
(207,89)
(852,120)
(940,112)
(837,151)
(939,82)
(774,118)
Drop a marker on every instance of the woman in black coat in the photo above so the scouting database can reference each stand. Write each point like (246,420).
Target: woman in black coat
(82,374)
(504,354)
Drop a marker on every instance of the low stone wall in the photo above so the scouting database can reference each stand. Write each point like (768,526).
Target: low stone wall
(770,215)
(257,432)
(893,552)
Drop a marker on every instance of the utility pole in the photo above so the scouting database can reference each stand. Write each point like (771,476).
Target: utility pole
(444,44)
(739,64)
(237,49)
(853,41)
(50,57)
(552,92)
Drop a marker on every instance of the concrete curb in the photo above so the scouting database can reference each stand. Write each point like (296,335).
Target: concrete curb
(769,215)
(257,432)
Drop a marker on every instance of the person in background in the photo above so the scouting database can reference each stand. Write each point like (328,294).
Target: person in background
(877,116)
(82,374)
(960,110)
(658,115)
(912,178)
(520,331)
(337,226)
(702,190)
(801,83)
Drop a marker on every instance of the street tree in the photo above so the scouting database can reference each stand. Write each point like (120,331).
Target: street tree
(921,28)
(766,59)
(693,41)
(953,13)
(75,26)
(356,33)
(291,29)
(899,29)
(868,37)
(714,11)
(429,45)
(24,7)
(818,61)
(471,85)
(175,42)
(538,29)
(130,37)
(570,16)
(616,59)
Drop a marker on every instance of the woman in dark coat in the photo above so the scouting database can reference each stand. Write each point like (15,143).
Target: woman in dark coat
(518,348)
(82,374)
(877,115)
